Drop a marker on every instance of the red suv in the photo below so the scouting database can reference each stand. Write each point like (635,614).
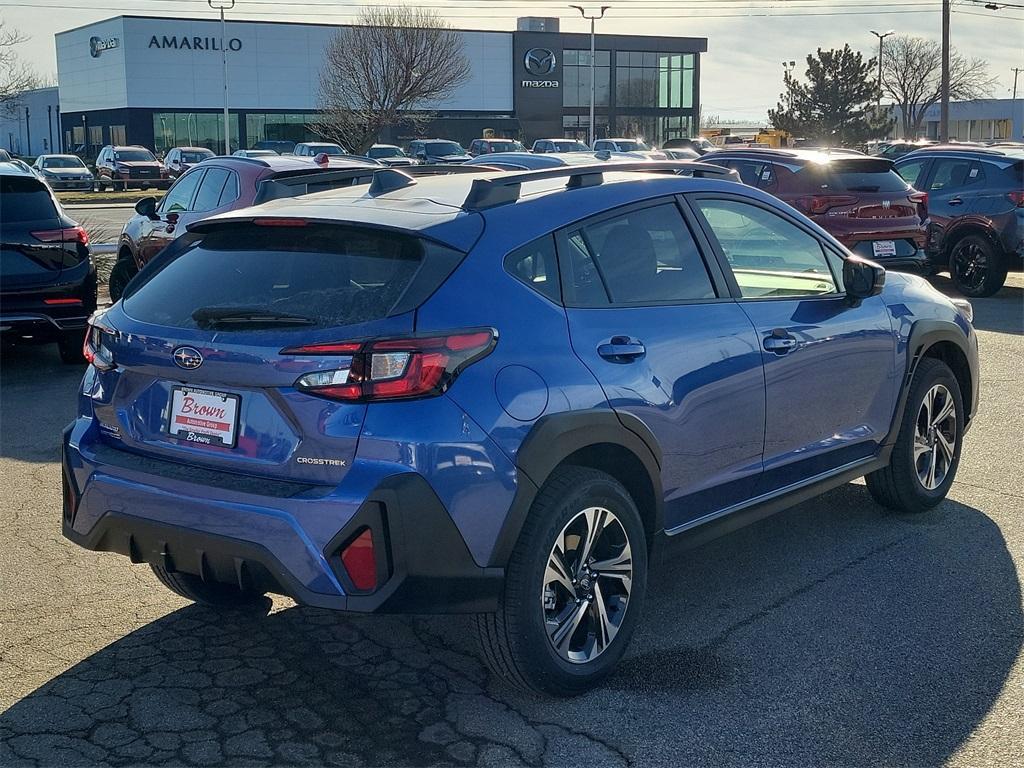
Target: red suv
(860,200)
(217,185)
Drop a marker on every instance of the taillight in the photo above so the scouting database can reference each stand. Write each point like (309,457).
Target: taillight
(1017,197)
(360,562)
(394,369)
(66,235)
(94,350)
(921,198)
(818,204)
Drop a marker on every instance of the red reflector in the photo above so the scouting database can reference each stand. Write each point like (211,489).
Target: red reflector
(283,222)
(61,302)
(359,562)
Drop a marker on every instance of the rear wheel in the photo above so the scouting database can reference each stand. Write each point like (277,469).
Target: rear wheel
(927,451)
(573,588)
(121,274)
(209,593)
(70,347)
(976,267)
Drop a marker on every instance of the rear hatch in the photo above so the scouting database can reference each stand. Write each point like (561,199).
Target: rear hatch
(32,251)
(208,348)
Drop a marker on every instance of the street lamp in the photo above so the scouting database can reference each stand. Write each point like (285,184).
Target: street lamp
(788,67)
(224,5)
(881,36)
(593,80)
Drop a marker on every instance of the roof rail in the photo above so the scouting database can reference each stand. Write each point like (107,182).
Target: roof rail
(499,190)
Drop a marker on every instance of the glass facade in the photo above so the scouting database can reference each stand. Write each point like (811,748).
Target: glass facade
(576,78)
(193,129)
(655,129)
(647,79)
(293,126)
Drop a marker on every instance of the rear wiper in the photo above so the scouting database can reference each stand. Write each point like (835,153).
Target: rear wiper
(211,316)
(862,189)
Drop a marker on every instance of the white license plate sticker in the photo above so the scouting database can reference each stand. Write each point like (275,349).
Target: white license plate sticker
(884,247)
(204,416)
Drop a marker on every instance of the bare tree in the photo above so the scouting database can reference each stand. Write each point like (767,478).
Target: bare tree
(386,69)
(16,76)
(911,77)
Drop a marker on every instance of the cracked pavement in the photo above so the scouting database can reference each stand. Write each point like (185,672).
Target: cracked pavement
(831,634)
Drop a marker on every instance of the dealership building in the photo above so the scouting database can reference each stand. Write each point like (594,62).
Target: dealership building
(158,82)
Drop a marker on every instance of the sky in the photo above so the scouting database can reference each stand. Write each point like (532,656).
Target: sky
(747,39)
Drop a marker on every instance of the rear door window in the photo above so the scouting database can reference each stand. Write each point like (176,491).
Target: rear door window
(329,275)
(24,199)
(954,174)
(210,188)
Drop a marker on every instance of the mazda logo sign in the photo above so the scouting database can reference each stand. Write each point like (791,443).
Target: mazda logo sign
(98,45)
(188,358)
(539,62)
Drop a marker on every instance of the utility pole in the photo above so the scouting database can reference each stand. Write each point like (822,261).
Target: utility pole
(224,5)
(28,134)
(944,113)
(593,80)
(1015,129)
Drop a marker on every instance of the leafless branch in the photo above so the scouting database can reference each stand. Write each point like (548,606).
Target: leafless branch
(16,76)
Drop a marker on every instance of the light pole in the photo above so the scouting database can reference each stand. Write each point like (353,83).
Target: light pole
(788,67)
(944,86)
(593,80)
(881,36)
(224,5)
(1013,101)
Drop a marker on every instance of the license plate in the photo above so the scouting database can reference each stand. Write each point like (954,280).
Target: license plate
(204,416)
(884,247)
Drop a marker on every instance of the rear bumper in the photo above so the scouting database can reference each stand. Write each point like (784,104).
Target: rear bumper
(39,325)
(286,542)
(917,263)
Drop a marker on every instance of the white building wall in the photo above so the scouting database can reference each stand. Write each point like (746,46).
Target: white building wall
(277,67)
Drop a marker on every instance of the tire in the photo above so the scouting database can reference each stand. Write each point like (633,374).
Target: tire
(976,266)
(900,485)
(206,592)
(515,641)
(120,275)
(69,345)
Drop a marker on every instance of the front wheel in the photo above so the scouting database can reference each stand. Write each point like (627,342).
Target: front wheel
(927,451)
(574,587)
(121,274)
(976,267)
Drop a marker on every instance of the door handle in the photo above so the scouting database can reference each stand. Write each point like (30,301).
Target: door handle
(780,342)
(622,349)
(955,201)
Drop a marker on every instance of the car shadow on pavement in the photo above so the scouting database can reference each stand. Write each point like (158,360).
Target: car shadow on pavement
(1002,312)
(833,633)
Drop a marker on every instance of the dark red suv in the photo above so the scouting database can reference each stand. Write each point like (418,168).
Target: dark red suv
(217,185)
(860,200)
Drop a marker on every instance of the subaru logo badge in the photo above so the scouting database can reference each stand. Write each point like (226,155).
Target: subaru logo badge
(539,62)
(188,358)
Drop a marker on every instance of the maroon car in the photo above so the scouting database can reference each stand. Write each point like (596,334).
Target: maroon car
(860,200)
(131,166)
(217,185)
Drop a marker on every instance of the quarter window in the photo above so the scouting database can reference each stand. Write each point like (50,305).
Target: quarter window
(536,265)
(646,256)
(769,256)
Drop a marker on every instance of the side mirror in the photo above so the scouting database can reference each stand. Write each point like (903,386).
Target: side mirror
(146,207)
(862,278)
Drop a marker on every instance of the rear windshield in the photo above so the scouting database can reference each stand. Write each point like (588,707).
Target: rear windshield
(24,199)
(328,275)
(860,176)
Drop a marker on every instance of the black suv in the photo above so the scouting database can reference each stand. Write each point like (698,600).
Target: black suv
(47,279)
(976,204)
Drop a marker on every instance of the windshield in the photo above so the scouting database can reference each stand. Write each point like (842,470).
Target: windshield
(506,146)
(376,152)
(134,155)
(571,146)
(195,157)
(441,148)
(318,275)
(63,162)
(326,149)
(632,146)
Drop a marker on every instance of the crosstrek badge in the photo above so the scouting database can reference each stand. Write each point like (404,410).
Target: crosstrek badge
(203,416)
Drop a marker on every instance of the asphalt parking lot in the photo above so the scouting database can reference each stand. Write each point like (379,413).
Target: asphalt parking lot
(834,633)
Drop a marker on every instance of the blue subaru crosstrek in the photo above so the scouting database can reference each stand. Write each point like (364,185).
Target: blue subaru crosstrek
(496,393)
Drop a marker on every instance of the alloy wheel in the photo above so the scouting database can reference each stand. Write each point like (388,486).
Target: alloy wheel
(587,583)
(970,265)
(935,437)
